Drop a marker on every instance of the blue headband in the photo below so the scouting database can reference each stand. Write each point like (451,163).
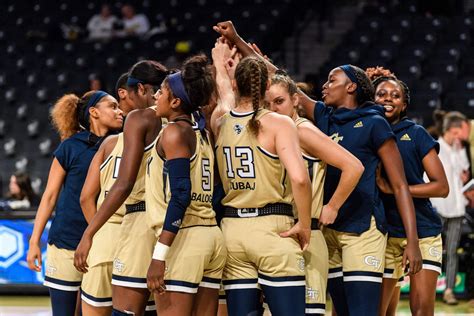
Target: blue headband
(95,97)
(134,81)
(176,84)
(350,73)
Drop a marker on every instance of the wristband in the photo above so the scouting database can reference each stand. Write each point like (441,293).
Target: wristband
(160,252)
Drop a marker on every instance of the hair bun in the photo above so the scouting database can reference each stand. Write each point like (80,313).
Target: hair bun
(377,72)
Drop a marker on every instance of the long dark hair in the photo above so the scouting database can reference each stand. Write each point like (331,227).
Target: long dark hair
(26,191)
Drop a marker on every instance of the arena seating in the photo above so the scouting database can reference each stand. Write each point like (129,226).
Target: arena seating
(432,54)
(38,65)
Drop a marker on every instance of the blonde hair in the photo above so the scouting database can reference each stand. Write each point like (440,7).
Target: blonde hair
(64,114)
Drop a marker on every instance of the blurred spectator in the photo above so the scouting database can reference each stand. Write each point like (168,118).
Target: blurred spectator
(101,25)
(452,209)
(20,195)
(436,129)
(96,82)
(132,24)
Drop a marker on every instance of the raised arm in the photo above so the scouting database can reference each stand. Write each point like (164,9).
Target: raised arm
(228,30)
(392,162)
(45,209)
(288,150)
(222,54)
(317,144)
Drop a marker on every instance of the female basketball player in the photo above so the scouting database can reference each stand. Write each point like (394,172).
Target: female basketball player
(96,287)
(419,153)
(82,123)
(258,158)
(282,97)
(135,245)
(190,244)
(356,241)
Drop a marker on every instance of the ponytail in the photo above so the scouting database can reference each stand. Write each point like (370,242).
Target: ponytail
(64,116)
(68,114)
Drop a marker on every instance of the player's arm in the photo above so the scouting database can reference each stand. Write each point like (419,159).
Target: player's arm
(317,144)
(288,150)
(436,187)
(228,30)
(91,189)
(45,209)
(392,162)
(178,152)
(222,54)
(134,144)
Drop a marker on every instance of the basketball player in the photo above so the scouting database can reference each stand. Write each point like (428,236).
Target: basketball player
(179,198)
(282,97)
(259,163)
(82,123)
(134,249)
(419,152)
(96,287)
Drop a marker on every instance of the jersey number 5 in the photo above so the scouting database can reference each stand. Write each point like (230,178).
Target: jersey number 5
(245,157)
(206,174)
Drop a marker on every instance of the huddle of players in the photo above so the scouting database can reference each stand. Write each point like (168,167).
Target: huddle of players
(154,227)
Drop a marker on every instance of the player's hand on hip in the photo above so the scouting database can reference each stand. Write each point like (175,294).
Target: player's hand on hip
(155,278)
(412,254)
(302,234)
(34,258)
(328,215)
(81,253)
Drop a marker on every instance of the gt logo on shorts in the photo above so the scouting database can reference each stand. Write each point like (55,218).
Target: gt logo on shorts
(301,264)
(50,270)
(118,265)
(434,252)
(312,293)
(372,261)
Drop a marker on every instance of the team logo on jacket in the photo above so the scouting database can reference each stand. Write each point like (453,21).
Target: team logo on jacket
(335,137)
(358,124)
(405,137)
(238,128)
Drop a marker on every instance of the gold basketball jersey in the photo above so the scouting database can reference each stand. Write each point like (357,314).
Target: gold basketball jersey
(109,170)
(317,173)
(251,176)
(199,211)
(138,191)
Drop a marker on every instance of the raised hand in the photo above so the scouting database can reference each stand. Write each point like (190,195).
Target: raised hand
(227,30)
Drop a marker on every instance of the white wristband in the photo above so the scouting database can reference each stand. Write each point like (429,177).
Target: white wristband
(160,252)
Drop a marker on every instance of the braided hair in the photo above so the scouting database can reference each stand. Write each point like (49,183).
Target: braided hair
(251,76)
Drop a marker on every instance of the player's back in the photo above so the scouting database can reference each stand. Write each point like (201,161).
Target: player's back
(251,176)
